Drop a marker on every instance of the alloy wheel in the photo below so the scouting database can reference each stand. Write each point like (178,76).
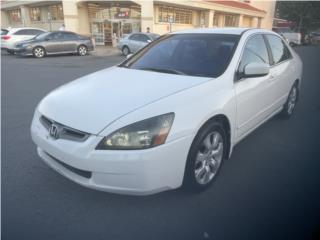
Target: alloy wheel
(82,50)
(292,100)
(209,158)
(39,52)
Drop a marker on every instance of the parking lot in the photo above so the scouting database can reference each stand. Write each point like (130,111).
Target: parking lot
(269,189)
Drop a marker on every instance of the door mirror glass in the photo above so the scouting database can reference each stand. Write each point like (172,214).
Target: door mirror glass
(129,55)
(256,70)
(149,41)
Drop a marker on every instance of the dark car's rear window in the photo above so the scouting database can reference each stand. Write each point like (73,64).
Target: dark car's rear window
(206,55)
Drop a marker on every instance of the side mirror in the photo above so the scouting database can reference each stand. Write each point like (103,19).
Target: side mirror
(47,39)
(129,55)
(256,70)
(149,41)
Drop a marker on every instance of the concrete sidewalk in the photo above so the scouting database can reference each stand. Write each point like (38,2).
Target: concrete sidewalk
(105,51)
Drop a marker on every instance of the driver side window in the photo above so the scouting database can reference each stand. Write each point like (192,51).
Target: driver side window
(255,52)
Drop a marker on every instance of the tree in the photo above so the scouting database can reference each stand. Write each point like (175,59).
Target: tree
(304,14)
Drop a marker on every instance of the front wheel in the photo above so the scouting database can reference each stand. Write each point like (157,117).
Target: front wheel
(291,102)
(82,50)
(39,52)
(125,51)
(205,157)
(11,52)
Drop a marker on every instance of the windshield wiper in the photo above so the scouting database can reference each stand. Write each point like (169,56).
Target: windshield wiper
(163,70)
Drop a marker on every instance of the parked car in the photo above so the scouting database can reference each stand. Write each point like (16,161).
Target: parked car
(133,42)
(313,38)
(170,114)
(4,31)
(57,42)
(293,38)
(15,35)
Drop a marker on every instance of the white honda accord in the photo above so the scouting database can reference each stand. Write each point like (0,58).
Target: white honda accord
(170,114)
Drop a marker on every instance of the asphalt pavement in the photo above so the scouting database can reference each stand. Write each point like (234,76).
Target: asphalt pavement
(269,189)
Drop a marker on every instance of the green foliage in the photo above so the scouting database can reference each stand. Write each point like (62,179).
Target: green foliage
(304,14)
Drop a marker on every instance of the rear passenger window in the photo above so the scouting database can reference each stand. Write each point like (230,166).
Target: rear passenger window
(279,50)
(36,32)
(134,37)
(28,32)
(23,32)
(255,52)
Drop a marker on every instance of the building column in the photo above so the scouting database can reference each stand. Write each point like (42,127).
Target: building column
(147,13)
(70,12)
(259,22)
(254,22)
(209,18)
(221,20)
(25,16)
(4,19)
(84,19)
(240,21)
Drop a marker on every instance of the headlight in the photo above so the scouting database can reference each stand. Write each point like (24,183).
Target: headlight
(140,135)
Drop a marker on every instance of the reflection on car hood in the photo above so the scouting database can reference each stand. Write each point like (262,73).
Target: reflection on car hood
(92,102)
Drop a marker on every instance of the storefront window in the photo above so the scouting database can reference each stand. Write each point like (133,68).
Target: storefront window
(178,15)
(56,12)
(15,15)
(230,21)
(35,14)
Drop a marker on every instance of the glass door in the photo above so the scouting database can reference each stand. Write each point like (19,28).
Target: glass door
(97,30)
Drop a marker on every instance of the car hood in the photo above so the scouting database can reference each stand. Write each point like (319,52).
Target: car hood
(92,102)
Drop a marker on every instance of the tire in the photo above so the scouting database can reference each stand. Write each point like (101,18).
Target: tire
(289,106)
(205,158)
(125,51)
(39,52)
(11,52)
(82,50)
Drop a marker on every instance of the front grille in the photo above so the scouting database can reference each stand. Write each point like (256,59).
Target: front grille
(82,173)
(64,131)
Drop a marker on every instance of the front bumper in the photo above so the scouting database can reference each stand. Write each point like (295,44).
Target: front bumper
(136,172)
(23,51)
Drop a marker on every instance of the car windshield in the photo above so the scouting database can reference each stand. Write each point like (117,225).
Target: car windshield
(205,55)
(42,35)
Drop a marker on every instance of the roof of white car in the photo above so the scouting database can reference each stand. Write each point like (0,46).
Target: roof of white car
(17,29)
(228,30)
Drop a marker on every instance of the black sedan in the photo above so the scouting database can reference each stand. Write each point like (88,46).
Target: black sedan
(57,42)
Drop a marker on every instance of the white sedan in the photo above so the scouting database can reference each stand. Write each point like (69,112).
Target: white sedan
(169,115)
(14,35)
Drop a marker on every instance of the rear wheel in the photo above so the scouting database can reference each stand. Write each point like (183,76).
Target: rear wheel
(39,52)
(205,157)
(82,50)
(291,102)
(125,51)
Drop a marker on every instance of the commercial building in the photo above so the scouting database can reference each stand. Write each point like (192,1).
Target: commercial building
(104,20)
